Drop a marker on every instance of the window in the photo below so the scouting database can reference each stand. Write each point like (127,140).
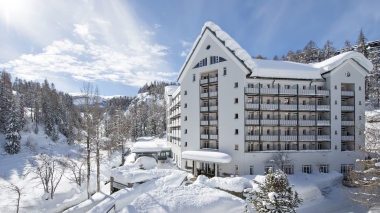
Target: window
(360,132)
(360,103)
(336,147)
(360,117)
(336,117)
(236,170)
(185,118)
(216,59)
(336,87)
(303,102)
(303,146)
(287,86)
(288,169)
(267,168)
(185,105)
(360,88)
(268,101)
(304,117)
(306,169)
(346,168)
(336,102)
(236,100)
(251,170)
(303,87)
(224,70)
(268,146)
(336,132)
(236,84)
(185,144)
(185,131)
(208,47)
(236,116)
(268,85)
(185,92)
(202,63)
(236,131)
(193,77)
(250,147)
(304,132)
(236,147)
(268,116)
(324,168)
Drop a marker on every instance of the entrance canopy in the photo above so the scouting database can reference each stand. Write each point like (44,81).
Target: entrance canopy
(207,156)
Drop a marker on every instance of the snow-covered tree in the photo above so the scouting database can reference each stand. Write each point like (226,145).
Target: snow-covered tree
(361,45)
(13,127)
(275,194)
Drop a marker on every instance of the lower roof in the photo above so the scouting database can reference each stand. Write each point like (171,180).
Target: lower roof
(207,156)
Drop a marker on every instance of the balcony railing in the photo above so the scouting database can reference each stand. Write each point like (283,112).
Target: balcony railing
(288,137)
(204,95)
(323,92)
(269,106)
(323,137)
(306,138)
(204,122)
(213,108)
(269,122)
(213,122)
(288,122)
(204,109)
(306,107)
(323,107)
(252,137)
(348,138)
(204,136)
(287,91)
(348,123)
(323,122)
(214,79)
(251,121)
(288,107)
(348,108)
(204,81)
(306,92)
(214,94)
(348,93)
(209,122)
(251,106)
(268,90)
(269,137)
(214,137)
(251,90)
(306,122)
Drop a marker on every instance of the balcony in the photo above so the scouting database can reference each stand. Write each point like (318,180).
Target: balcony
(269,90)
(348,123)
(210,137)
(252,137)
(348,138)
(306,123)
(204,109)
(323,137)
(269,106)
(204,123)
(323,92)
(204,95)
(288,122)
(269,138)
(213,122)
(348,93)
(288,107)
(209,122)
(203,136)
(252,121)
(306,107)
(214,94)
(306,92)
(323,107)
(213,108)
(214,79)
(288,137)
(251,90)
(323,122)
(288,91)
(213,137)
(348,108)
(269,122)
(204,81)
(306,138)
(251,105)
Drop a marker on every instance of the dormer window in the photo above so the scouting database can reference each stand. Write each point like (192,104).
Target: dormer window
(202,63)
(216,59)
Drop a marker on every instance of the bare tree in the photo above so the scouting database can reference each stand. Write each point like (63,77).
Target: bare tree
(280,159)
(49,169)
(76,167)
(9,186)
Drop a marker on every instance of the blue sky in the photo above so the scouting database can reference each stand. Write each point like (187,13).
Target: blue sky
(121,45)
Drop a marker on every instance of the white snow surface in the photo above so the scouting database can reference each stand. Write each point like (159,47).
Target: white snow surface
(186,199)
(235,184)
(169,90)
(149,144)
(146,162)
(280,69)
(207,156)
(377,164)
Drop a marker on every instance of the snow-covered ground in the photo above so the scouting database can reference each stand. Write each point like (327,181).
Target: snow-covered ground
(163,190)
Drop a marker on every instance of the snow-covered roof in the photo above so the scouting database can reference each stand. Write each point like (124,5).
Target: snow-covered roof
(235,184)
(169,90)
(207,156)
(278,69)
(284,69)
(149,147)
(332,63)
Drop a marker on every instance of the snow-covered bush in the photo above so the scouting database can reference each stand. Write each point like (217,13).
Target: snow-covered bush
(31,144)
(275,194)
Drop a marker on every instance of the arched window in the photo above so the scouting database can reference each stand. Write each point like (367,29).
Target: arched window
(202,63)
(216,59)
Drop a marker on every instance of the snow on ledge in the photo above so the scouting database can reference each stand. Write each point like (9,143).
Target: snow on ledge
(148,147)
(207,156)
(377,164)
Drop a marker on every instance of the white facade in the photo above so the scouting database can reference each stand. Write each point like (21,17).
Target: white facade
(249,109)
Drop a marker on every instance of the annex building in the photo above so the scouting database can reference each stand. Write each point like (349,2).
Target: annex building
(232,113)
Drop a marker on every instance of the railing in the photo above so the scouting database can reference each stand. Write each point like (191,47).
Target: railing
(306,122)
(347,93)
(269,90)
(348,123)
(269,106)
(348,108)
(288,137)
(307,138)
(288,107)
(252,121)
(288,122)
(204,122)
(323,92)
(269,137)
(251,106)
(323,122)
(204,109)
(306,92)
(213,122)
(288,91)
(204,95)
(213,108)
(204,136)
(214,137)
(269,122)
(323,137)
(251,90)
(213,94)
(306,107)
(214,79)
(252,137)
(204,81)
(323,107)
(348,138)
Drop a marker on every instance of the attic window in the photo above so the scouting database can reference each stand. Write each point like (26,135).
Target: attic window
(208,47)
(202,63)
(216,59)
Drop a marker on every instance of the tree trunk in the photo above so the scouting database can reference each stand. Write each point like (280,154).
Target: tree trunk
(88,166)
(97,167)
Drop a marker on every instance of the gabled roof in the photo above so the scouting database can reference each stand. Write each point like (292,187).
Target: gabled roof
(277,69)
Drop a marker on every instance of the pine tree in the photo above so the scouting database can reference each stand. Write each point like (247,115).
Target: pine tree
(328,50)
(275,194)
(13,127)
(347,46)
(361,46)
